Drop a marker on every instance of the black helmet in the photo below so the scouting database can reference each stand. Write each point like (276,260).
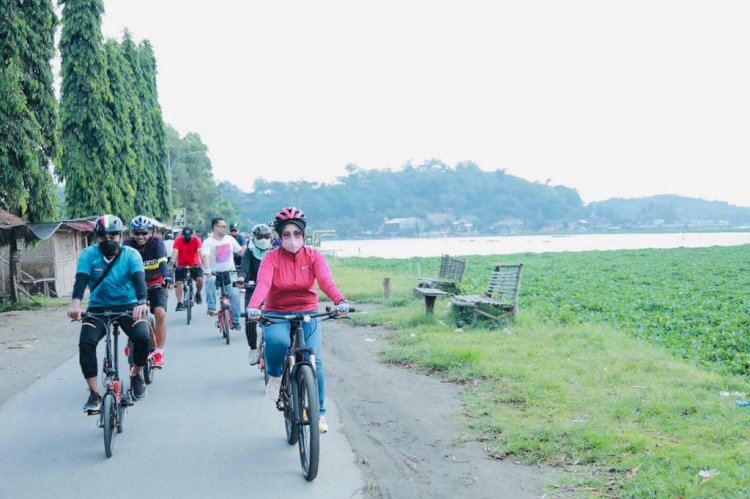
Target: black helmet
(108,225)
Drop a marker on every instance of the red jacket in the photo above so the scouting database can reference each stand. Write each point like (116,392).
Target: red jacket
(286,281)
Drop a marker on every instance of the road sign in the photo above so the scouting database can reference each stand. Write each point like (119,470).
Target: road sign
(179,216)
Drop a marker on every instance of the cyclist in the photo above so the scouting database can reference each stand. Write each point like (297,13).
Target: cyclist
(286,282)
(234,232)
(115,277)
(158,277)
(186,256)
(258,246)
(217,253)
(169,245)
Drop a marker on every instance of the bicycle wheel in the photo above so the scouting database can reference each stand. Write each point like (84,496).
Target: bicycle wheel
(227,321)
(148,370)
(120,416)
(108,421)
(307,407)
(286,400)
(189,302)
(251,330)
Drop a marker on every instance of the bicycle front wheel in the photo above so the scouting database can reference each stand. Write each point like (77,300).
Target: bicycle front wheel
(251,330)
(108,420)
(227,321)
(189,303)
(287,400)
(307,407)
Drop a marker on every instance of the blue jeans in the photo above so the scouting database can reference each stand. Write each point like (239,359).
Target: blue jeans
(277,341)
(234,296)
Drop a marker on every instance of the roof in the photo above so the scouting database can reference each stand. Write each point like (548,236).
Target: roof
(9,220)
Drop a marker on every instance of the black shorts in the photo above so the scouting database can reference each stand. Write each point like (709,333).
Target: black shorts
(157,297)
(181,273)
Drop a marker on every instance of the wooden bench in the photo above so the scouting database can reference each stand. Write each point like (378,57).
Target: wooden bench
(450,276)
(501,296)
(430,294)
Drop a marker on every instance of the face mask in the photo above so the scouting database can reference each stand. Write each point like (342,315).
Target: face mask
(262,244)
(109,247)
(222,233)
(293,244)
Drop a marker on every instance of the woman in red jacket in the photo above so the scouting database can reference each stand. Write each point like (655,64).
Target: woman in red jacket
(286,282)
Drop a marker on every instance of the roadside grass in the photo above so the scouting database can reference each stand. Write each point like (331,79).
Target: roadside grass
(624,416)
(35,303)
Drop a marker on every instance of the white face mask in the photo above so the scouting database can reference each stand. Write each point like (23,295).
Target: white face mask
(262,244)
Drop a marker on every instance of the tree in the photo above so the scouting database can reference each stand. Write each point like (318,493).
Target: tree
(27,108)
(87,164)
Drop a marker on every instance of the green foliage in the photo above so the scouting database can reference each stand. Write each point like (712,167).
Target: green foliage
(670,208)
(359,201)
(27,108)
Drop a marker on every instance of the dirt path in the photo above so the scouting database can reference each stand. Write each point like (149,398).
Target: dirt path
(402,426)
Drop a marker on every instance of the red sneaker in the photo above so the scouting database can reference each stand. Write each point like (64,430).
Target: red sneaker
(159,360)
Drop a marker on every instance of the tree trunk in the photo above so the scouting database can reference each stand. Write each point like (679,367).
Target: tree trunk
(13,267)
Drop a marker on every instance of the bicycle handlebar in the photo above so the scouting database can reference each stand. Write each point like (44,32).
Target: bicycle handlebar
(328,314)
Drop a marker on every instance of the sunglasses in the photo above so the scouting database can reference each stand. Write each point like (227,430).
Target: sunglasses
(140,232)
(263,237)
(287,235)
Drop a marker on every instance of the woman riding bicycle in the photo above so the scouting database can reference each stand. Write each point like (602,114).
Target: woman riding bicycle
(257,248)
(286,282)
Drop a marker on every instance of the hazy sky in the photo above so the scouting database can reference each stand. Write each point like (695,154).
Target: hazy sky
(615,99)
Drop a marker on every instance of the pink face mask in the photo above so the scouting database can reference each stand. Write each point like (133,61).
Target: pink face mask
(292,244)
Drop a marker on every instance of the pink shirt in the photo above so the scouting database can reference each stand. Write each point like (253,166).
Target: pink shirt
(286,281)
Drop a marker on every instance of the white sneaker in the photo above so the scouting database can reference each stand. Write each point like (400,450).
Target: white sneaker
(322,425)
(253,357)
(273,387)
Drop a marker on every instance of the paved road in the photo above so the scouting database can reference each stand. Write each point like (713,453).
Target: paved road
(205,430)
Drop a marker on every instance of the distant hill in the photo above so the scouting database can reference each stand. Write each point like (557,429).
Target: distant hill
(436,198)
(670,209)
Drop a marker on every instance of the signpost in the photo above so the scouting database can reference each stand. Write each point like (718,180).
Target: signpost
(179,218)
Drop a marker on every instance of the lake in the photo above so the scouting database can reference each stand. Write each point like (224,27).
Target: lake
(506,245)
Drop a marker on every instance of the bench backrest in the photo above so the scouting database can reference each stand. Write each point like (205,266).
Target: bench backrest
(452,269)
(505,282)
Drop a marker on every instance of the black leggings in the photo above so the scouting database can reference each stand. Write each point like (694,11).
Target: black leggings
(92,331)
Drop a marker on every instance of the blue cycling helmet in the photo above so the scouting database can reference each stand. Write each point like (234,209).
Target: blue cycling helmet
(141,223)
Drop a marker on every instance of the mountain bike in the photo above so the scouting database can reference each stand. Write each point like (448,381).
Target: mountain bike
(149,370)
(114,401)
(298,395)
(224,323)
(189,297)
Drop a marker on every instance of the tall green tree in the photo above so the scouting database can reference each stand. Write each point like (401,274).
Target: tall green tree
(27,108)
(87,164)
(156,179)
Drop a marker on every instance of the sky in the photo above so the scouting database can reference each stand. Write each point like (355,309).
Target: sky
(614,99)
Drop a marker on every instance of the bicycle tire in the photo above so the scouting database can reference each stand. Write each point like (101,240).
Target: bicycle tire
(308,407)
(120,417)
(148,371)
(108,421)
(189,303)
(227,322)
(251,329)
(287,398)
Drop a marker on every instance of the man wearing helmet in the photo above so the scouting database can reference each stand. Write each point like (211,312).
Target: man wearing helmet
(186,256)
(257,247)
(158,278)
(115,277)
(286,283)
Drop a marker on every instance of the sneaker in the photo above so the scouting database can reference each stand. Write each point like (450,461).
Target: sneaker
(93,403)
(198,298)
(253,356)
(180,307)
(322,425)
(138,387)
(211,311)
(236,325)
(158,360)
(273,387)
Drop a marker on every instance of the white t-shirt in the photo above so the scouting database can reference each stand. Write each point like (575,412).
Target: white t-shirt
(169,246)
(220,252)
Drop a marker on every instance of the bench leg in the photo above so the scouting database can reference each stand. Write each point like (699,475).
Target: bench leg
(429,305)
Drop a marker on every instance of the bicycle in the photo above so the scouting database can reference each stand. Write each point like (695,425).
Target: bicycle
(189,295)
(149,370)
(114,401)
(298,395)
(253,332)
(225,322)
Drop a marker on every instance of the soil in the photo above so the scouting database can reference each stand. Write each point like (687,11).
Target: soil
(404,427)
